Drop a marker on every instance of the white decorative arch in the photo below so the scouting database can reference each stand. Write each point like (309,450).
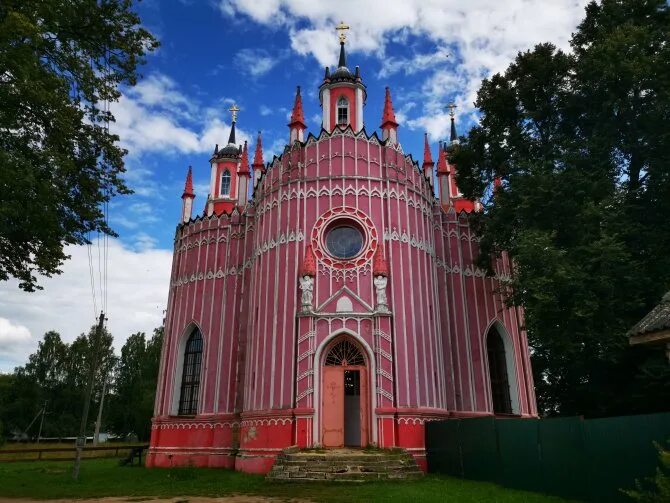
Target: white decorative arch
(319,356)
(510,363)
(178,362)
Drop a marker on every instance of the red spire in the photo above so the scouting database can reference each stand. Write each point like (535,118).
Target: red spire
(309,263)
(258,155)
(188,187)
(379,265)
(388,117)
(244,164)
(442,167)
(297,116)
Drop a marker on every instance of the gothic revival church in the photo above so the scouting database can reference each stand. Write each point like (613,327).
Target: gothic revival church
(339,305)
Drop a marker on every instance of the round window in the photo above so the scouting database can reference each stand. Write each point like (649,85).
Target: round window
(344,241)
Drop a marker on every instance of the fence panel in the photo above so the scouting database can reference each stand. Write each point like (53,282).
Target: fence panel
(443,450)
(620,450)
(519,451)
(479,448)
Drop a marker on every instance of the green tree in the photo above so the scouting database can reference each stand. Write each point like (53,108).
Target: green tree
(135,385)
(581,146)
(60,62)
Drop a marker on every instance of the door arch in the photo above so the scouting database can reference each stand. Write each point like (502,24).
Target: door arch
(502,371)
(345,402)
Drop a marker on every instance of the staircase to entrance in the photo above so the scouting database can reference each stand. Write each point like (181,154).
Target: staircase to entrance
(296,465)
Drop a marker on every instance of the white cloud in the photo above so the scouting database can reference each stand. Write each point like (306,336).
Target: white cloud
(255,62)
(155,116)
(484,35)
(138,283)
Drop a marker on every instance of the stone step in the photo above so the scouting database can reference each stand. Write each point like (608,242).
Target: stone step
(344,465)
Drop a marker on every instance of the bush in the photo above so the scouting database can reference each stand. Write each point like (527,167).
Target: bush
(658,487)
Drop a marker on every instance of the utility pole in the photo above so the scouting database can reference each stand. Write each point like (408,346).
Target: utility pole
(81,439)
(96,435)
(44,411)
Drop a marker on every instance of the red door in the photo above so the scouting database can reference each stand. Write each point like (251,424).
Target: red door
(333,407)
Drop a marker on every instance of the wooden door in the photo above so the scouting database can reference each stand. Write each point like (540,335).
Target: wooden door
(365,400)
(333,407)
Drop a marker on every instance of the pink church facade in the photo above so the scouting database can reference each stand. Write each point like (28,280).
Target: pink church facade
(339,305)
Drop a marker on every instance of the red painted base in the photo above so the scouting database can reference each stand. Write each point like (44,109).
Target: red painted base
(210,441)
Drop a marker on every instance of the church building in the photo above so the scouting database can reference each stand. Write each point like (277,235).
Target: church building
(329,298)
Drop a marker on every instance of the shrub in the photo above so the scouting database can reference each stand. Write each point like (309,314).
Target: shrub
(657,488)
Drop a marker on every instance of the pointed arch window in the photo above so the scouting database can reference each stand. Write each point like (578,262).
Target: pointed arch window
(190,377)
(225,183)
(342,111)
(498,372)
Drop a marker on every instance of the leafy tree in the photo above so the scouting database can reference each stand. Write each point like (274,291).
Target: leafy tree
(60,61)
(135,385)
(581,147)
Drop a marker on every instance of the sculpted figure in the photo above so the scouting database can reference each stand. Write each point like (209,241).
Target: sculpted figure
(307,289)
(380,288)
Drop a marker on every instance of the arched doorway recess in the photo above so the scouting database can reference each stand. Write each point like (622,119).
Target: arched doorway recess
(344,395)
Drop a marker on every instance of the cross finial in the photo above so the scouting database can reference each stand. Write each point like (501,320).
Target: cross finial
(342,31)
(234,109)
(452,107)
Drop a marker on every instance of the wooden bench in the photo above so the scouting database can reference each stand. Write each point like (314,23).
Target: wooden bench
(135,452)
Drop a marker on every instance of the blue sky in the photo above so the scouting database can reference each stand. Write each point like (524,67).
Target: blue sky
(254,53)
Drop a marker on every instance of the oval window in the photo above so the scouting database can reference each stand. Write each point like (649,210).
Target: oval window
(344,241)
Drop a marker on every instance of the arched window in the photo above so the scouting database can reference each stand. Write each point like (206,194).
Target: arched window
(500,386)
(345,353)
(343,111)
(225,183)
(190,377)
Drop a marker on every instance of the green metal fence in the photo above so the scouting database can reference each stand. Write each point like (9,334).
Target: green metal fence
(569,457)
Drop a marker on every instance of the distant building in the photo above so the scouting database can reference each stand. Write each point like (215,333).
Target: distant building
(340,305)
(654,328)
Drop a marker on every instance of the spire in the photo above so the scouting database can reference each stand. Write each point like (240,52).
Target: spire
(454,137)
(388,117)
(216,149)
(188,186)
(343,57)
(379,265)
(308,267)
(231,138)
(442,167)
(427,157)
(244,164)
(231,150)
(258,155)
(297,116)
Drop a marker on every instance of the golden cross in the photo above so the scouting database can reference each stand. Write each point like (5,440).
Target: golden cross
(451,107)
(342,31)
(234,111)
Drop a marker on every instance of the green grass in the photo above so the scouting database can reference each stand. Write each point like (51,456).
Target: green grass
(103,477)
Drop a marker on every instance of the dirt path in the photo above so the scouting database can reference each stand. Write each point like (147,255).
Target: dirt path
(146,499)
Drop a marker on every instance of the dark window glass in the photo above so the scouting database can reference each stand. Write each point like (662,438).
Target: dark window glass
(225,183)
(344,241)
(190,377)
(498,372)
(342,111)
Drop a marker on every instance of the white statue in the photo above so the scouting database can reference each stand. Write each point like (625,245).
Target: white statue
(380,288)
(307,288)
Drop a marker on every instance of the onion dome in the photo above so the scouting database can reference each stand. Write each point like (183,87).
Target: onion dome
(308,267)
(379,265)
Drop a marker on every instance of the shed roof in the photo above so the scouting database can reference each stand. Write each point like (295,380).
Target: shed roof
(658,319)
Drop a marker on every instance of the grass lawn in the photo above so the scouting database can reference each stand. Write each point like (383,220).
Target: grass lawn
(103,477)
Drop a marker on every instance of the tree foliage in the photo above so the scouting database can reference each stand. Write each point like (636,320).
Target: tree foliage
(57,373)
(60,62)
(581,146)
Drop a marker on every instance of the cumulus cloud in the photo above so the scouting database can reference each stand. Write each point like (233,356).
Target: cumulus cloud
(138,282)
(484,34)
(156,116)
(255,62)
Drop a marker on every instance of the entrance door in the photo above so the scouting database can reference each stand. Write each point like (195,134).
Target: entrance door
(344,391)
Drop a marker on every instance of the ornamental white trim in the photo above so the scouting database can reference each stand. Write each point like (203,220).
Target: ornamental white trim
(384,393)
(305,393)
(194,426)
(417,420)
(383,353)
(306,373)
(382,334)
(267,422)
(410,239)
(383,373)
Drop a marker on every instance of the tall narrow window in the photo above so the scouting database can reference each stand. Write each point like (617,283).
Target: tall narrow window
(343,111)
(498,372)
(190,377)
(225,183)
